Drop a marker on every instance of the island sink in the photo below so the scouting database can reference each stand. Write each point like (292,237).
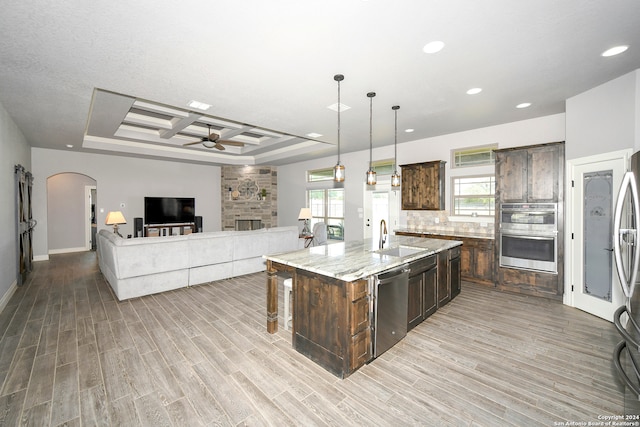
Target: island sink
(400,251)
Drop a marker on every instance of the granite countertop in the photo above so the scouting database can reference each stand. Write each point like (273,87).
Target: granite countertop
(461,234)
(355,260)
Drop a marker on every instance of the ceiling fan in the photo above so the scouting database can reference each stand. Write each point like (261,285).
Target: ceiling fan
(212,140)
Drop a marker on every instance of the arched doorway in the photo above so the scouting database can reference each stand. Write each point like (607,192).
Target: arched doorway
(71,200)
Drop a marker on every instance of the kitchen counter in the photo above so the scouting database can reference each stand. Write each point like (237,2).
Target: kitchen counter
(355,260)
(461,234)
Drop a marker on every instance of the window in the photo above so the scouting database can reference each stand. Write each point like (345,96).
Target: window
(383,167)
(474,195)
(327,205)
(473,156)
(320,175)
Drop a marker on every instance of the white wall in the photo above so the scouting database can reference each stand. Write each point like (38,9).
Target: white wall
(122,184)
(292,183)
(605,118)
(14,150)
(66,222)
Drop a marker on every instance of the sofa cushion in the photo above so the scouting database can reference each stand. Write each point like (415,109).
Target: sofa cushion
(250,244)
(210,248)
(282,239)
(151,255)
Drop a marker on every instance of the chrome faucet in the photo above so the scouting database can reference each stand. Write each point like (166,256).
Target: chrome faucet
(383,233)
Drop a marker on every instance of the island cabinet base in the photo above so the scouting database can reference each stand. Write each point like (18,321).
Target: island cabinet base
(332,323)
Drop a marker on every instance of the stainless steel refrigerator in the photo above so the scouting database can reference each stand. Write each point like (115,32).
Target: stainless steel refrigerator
(626,248)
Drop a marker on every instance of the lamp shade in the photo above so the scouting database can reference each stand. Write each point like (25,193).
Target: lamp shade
(115,217)
(305,213)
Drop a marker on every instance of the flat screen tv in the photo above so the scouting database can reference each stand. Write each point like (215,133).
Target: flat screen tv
(169,210)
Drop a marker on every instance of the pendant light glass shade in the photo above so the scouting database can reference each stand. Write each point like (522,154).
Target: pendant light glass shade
(371,174)
(371,177)
(395,178)
(338,170)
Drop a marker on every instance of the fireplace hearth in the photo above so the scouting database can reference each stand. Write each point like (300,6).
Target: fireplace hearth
(248,224)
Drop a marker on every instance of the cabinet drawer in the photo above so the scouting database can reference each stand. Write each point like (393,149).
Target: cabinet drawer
(454,252)
(360,349)
(357,290)
(421,265)
(359,315)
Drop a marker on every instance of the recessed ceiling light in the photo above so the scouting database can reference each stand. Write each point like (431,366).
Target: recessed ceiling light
(314,135)
(199,105)
(474,91)
(334,107)
(409,130)
(433,47)
(523,105)
(614,50)
(69,145)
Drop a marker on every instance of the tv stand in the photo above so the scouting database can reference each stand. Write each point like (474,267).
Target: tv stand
(157,230)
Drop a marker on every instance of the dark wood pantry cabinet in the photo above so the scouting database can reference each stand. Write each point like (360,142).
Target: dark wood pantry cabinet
(528,175)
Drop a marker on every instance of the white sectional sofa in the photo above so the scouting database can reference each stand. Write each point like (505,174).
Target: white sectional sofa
(148,265)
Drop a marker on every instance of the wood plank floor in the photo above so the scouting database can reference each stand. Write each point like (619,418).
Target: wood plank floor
(71,354)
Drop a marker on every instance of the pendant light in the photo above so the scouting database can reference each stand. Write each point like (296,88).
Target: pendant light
(338,170)
(371,174)
(395,178)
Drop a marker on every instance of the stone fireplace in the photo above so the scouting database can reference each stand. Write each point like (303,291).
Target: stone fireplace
(249,197)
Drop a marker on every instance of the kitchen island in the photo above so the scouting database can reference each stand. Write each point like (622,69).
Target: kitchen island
(333,305)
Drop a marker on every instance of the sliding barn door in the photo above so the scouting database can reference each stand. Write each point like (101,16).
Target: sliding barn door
(24,223)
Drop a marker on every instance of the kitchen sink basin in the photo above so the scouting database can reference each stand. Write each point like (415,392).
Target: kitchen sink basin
(399,251)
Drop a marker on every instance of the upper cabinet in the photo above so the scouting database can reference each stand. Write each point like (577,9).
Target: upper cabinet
(529,174)
(423,186)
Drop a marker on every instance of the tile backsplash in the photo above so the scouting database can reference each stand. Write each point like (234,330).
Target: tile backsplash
(442,222)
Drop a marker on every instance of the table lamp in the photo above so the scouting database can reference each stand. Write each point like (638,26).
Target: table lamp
(305,214)
(115,218)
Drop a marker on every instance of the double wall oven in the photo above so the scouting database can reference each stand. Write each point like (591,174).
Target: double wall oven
(529,236)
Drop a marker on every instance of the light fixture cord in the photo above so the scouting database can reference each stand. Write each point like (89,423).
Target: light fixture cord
(370,131)
(338,121)
(395,143)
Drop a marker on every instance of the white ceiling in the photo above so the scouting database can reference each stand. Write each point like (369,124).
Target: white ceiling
(71,71)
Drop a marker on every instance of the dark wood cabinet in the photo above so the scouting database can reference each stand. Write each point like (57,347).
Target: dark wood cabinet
(423,186)
(476,257)
(455,279)
(477,261)
(529,174)
(433,282)
(444,285)
(532,174)
(324,308)
(423,279)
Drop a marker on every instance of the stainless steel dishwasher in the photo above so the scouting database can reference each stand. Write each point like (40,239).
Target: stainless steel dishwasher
(391,296)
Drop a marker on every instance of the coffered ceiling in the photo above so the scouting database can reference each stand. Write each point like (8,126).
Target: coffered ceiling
(116,77)
(124,124)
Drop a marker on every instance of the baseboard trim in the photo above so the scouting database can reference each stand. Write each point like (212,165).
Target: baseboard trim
(67,250)
(41,257)
(7,296)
